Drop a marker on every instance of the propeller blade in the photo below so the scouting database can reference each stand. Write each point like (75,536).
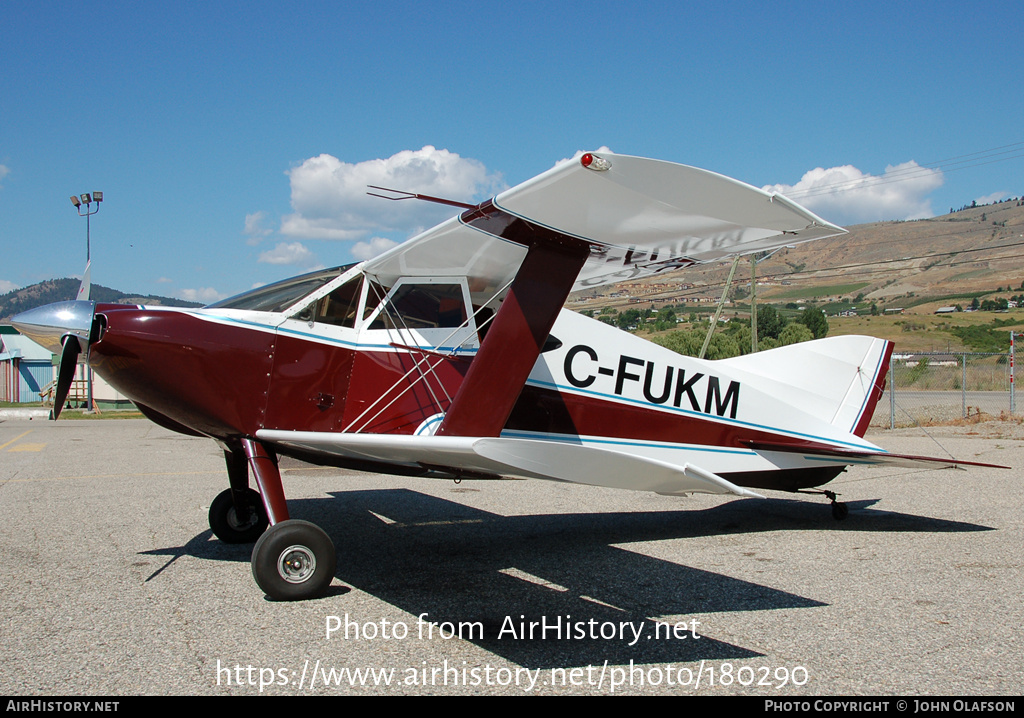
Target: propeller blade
(65,373)
(86,285)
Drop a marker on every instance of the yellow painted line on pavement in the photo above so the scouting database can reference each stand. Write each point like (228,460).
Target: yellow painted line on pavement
(3,446)
(117,476)
(27,447)
(150,473)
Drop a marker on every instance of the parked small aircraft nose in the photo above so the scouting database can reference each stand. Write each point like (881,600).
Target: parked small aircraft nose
(210,376)
(50,324)
(65,328)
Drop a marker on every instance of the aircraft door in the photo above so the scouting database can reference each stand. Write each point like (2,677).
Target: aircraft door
(313,362)
(416,341)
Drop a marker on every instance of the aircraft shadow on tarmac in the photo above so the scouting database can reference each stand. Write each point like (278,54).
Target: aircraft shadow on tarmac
(494,575)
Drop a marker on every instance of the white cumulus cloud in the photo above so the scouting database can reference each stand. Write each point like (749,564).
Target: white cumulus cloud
(330,202)
(254,228)
(847,195)
(994,197)
(369,250)
(4,171)
(291,253)
(6,286)
(206,295)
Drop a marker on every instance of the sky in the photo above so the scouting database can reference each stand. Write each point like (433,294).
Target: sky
(233,142)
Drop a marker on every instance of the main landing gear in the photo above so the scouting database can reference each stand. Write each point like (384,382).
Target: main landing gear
(293,560)
(238,520)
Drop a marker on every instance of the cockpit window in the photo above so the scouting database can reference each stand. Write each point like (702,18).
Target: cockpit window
(339,307)
(423,306)
(280,295)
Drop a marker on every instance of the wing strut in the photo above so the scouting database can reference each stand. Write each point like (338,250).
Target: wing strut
(514,340)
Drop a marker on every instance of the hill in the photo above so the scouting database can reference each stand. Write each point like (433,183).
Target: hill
(58,290)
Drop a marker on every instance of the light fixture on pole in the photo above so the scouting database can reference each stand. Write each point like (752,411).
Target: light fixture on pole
(84,205)
(87,212)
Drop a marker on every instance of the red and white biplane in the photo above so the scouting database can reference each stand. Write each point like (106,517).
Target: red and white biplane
(450,356)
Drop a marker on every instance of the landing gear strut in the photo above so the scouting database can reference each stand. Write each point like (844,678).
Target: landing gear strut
(292,560)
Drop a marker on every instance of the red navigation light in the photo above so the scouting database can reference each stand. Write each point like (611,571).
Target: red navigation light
(593,162)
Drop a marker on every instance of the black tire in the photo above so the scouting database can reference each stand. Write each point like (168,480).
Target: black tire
(840,511)
(224,519)
(294,560)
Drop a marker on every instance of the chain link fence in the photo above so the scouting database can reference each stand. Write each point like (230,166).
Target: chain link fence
(935,387)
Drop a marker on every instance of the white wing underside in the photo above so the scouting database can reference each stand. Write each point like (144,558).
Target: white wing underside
(528,458)
(641,216)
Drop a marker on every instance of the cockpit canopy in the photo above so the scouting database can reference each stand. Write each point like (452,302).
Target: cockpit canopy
(279,296)
(343,298)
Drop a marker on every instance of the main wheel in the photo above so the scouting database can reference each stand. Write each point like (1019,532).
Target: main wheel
(840,510)
(294,560)
(226,524)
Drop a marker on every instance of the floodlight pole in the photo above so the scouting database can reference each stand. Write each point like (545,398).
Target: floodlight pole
(87,200)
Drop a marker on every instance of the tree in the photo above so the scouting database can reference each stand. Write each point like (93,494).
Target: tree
(769,322)
(794,334)
(628,318)
(814,319)
(687,343)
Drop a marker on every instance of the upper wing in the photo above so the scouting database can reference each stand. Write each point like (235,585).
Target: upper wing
(637,217)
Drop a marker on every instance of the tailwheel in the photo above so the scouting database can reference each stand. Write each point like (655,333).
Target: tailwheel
(839,510)
(232,526)
(294,560)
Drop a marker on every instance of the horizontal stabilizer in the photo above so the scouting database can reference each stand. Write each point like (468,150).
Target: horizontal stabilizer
(812,451)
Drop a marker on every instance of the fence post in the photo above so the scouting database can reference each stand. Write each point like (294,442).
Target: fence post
(892,394)
(1013,403)
(963,385)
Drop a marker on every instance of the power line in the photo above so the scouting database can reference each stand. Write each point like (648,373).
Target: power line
(953,164)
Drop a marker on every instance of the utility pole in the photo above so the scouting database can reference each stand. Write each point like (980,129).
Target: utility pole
(84,205)
(753,303)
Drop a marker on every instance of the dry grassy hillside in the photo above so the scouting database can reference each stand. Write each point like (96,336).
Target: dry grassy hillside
(951,254)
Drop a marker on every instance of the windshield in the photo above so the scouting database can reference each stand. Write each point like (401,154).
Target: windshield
(279,296)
